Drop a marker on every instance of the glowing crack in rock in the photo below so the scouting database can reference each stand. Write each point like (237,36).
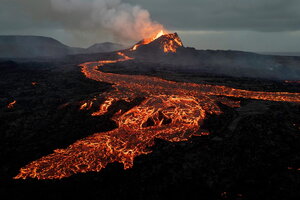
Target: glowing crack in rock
(171,111)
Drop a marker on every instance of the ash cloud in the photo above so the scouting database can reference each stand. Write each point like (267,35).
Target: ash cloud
(256,25)
(79,22)
(123,20)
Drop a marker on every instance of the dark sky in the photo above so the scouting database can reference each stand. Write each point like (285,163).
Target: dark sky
(252,25)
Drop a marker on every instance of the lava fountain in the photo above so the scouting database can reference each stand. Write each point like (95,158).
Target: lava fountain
(171,111)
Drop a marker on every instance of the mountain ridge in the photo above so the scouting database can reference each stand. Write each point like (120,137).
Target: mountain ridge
(29,46)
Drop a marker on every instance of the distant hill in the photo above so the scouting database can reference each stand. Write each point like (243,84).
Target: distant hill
(281,53)
(38,46)
(31,46)
(104,47)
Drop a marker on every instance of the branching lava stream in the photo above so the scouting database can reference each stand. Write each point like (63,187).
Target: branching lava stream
(171,111)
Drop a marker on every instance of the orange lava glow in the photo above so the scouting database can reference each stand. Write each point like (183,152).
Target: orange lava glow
(170,45)
(292,168)
(148,40)
(171,111)
(11,105)
(86,106)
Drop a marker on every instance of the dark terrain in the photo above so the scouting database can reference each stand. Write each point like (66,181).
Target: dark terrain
(38,46)
(189,61)
(251,153)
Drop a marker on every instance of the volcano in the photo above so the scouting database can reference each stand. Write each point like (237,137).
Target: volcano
(167,52)
(167,43)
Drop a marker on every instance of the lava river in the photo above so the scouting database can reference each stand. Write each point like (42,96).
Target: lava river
(170,111)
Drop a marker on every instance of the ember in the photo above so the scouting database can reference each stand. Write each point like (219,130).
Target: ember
(171,111)
(86,106)
(11,105)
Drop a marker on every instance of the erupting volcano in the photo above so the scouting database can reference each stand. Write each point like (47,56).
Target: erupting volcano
(166,42)
(170,111)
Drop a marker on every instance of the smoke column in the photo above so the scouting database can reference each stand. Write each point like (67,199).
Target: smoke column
(125,21)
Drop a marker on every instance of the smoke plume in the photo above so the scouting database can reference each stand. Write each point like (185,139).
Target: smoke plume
(125,21)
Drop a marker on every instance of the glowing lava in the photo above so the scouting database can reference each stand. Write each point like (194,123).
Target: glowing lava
(171,111)
(86,106)
(11,105)
(148,40)
(170,44)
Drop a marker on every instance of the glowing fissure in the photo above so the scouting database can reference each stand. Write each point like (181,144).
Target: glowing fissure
(171,111)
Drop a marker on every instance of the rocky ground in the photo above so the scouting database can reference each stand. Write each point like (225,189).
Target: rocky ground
(251,153)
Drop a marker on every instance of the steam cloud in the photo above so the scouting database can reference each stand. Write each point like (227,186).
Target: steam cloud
(125,21)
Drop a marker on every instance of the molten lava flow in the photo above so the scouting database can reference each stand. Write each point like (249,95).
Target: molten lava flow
(104,107)
(172,118)
(86,106)
(148,40)
(11,105)
(171,111)
(172,43)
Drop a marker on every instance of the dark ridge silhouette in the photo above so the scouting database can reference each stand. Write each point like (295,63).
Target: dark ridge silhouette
(38,46)
(104,47)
